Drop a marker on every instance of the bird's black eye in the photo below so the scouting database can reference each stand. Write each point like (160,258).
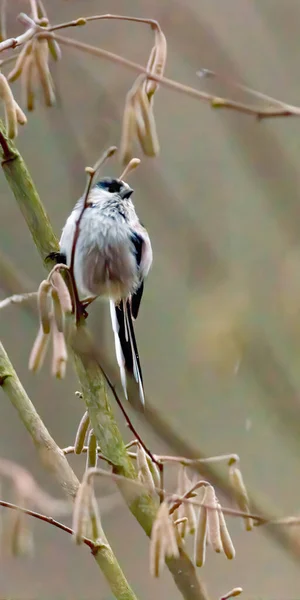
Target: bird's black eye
(111,185)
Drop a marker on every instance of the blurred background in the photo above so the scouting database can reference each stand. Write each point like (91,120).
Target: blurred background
(219,328)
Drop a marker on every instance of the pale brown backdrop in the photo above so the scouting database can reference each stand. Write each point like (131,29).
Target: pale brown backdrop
(219,329)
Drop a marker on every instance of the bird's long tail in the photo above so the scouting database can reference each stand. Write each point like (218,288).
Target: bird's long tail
(126,347)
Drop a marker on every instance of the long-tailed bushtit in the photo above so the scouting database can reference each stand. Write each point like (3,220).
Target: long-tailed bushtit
(113,256)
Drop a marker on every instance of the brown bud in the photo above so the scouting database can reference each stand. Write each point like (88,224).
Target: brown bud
(38,351)
(81,433)
(44,305)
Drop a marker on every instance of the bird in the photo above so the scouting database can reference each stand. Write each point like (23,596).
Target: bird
(113,256)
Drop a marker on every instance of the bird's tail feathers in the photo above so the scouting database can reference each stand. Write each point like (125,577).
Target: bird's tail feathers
(126,346)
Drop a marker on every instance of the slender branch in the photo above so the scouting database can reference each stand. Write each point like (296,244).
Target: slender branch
(214,101)
(83,20)
(92,545)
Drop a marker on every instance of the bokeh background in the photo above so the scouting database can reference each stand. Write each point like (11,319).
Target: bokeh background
(219,329)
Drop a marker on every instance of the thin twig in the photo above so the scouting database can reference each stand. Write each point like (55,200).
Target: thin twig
(94,546)
(214,101)
(82,20)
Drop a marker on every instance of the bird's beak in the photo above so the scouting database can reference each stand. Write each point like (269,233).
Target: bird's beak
(126,193)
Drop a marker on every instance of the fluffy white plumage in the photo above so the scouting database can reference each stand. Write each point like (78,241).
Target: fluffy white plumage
(113,256)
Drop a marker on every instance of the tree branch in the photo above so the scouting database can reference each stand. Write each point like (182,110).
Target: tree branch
(54,460)
(91,379)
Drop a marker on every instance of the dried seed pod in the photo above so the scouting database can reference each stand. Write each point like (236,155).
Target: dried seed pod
(60,356)
(91,460)
(6,95)
(228,546)
(240,493)
(19,65)
(58,314)
(27,83)
(159,61)
(38,351)
(201,534)
(128,131)
(63,292)
(213,525)
(81,512)
(81,433)
(44,305)
(40,50)
(144,469)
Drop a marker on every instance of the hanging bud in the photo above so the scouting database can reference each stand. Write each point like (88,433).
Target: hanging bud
(92,457)
(63,292)
(158,60)
(40,50)
(146,126)
(58,314)
(6,95)
(228,546)
(27,83)
(60,356)
(181,490)
(38,351)
(144,470)
(128,131)
(163,542)
(213,526)
(44,305)
(240,493)
(15,73)
(81,512)
(81,433)
(21,117)
(201,534)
